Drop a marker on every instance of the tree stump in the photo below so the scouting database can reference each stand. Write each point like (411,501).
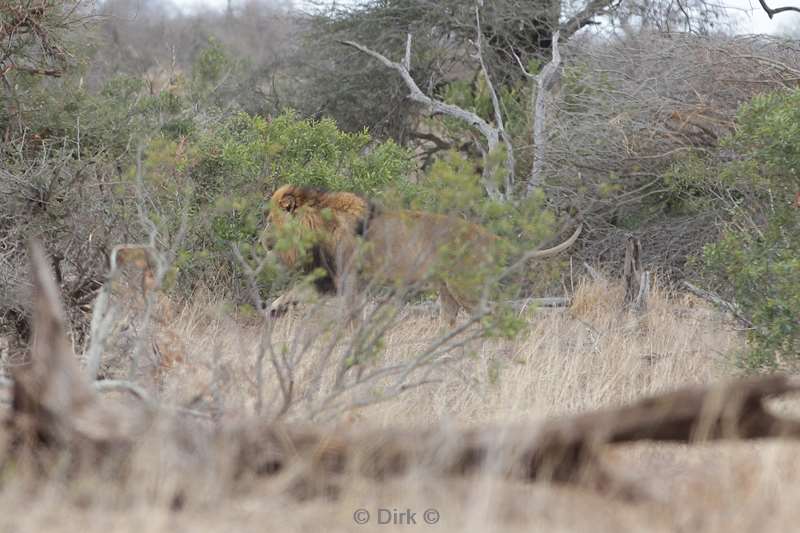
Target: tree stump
(637,281)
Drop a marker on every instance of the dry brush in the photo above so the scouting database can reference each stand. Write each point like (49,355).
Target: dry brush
(56,413)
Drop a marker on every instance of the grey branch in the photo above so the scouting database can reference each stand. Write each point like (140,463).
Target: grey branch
(585,17)
(709,296)
(498,115)
(772,12)
(491,134)
(407,58)
(545,81)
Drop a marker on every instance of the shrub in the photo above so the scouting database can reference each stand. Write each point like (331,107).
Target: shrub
(756,263)
(230,168)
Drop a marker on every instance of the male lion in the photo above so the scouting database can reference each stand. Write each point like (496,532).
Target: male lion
(351,238)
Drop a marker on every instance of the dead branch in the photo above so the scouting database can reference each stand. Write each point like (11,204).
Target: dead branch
(545,81)
(161,263)
(709,296)
(772,12)
(491,133)
(637,280)
(103,314)
(593,273)
(563,449)
(498,115)
(53,402)
(585,17)
(115,385)
(551,302)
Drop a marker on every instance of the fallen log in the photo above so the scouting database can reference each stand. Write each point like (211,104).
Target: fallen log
(54,407)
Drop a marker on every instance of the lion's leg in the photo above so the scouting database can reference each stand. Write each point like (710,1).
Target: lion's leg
(299,294)
(350,291)
(448,306)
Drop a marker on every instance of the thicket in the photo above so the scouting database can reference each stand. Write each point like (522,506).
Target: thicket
(753,185)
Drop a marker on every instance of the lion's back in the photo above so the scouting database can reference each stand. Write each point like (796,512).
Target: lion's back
(410,245)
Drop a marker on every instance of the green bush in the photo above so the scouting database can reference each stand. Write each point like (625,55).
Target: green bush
(227,171)
(756,263)
(453,187)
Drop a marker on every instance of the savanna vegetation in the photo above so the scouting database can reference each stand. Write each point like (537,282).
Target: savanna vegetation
(141,143)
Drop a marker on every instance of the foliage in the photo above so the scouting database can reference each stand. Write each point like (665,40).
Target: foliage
(231,168)
(757,261)
(453,187)
(37,41)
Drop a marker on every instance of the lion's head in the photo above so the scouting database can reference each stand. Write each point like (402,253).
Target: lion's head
(325,223)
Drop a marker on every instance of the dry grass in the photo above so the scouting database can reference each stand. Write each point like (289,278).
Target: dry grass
(590,355)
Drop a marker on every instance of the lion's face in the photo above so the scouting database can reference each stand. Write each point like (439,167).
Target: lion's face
(283,203)
(285,200)
(282,206)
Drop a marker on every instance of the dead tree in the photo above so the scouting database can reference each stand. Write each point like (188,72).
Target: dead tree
(53,403)
(546,80)
(494,135)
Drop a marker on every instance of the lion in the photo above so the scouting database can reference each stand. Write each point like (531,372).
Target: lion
(353,241)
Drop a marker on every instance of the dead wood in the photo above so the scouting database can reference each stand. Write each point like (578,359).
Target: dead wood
(637,280)
(494,135)
(54,407)
(546,80)
(709,296)
(53,403)
(562,449)
(772,12)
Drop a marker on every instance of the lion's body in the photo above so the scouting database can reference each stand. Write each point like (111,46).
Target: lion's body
(356,243)
(420,249)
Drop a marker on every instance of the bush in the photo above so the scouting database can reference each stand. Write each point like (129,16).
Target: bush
(230,169)
(756,263)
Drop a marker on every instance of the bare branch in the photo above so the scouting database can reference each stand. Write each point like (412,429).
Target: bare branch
(585,17)
(498,115)
(733,309)
(563,449)
(103,314)
(52,399)
(407,58)
(544,82)
(491,134)
(115,385)
(772,12)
